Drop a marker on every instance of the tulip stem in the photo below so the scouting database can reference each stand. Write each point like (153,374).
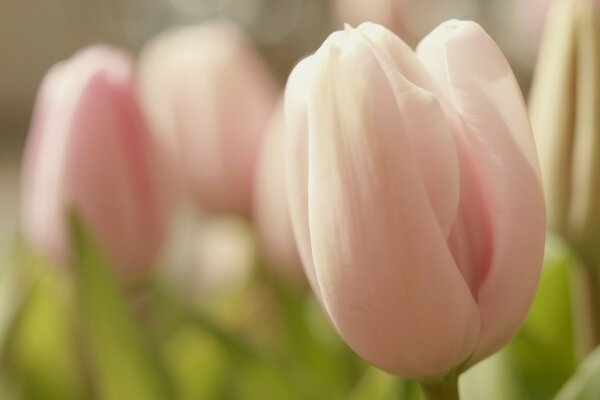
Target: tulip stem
(443,390)
(585,284)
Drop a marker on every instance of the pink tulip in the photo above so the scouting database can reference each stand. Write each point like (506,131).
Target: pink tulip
(415,195)
(271,208)
(88,149)
(208,98)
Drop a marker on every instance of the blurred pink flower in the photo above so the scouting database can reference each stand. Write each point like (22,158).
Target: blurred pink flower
(88,149)
(271,209)
(415,194)
(208,98)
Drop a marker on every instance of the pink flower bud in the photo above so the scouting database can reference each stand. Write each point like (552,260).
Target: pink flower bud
(208,98)
(415,195)
(271,209)
(88,149)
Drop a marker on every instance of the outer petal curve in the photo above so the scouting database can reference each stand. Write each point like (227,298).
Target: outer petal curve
(385,274)
(497,135)
(297,163)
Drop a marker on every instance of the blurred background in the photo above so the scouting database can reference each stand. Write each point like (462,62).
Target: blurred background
(36,35)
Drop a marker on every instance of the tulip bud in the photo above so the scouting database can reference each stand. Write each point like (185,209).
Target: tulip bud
(271,208)
(88,150)
(564,114)
(208,99)
(415,195)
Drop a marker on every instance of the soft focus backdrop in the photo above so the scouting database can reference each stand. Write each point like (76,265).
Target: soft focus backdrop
(36,35)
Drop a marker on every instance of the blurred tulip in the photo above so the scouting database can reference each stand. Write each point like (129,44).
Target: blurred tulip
(208,98)
(88,149)
(415,195)
(271,208)
(564,108)
(564,113)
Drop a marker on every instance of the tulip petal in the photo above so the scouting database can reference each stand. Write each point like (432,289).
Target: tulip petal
(386,276)
(444,189)
(296,97)
(440,172)
(89,151)
(41,168)
(111,155)
(498,139)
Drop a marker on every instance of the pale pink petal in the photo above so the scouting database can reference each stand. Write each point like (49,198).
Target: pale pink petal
(386,276)
(501,164)
(440,172)
(296,163)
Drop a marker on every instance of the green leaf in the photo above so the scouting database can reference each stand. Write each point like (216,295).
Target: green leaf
(256,374)
(122,361)
(327,363)
(226,360)
(537,362)
(585,383)
(41,358)
(542,355)
(13,292)
(258,380)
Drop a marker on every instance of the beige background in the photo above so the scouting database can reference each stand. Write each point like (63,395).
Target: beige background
(35,34)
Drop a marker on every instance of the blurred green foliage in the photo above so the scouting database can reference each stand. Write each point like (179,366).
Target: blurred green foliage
(122,364)
(41,350)
(542,355)
(81,335)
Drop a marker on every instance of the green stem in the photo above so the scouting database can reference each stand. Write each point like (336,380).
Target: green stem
(585,289)
(443,390)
